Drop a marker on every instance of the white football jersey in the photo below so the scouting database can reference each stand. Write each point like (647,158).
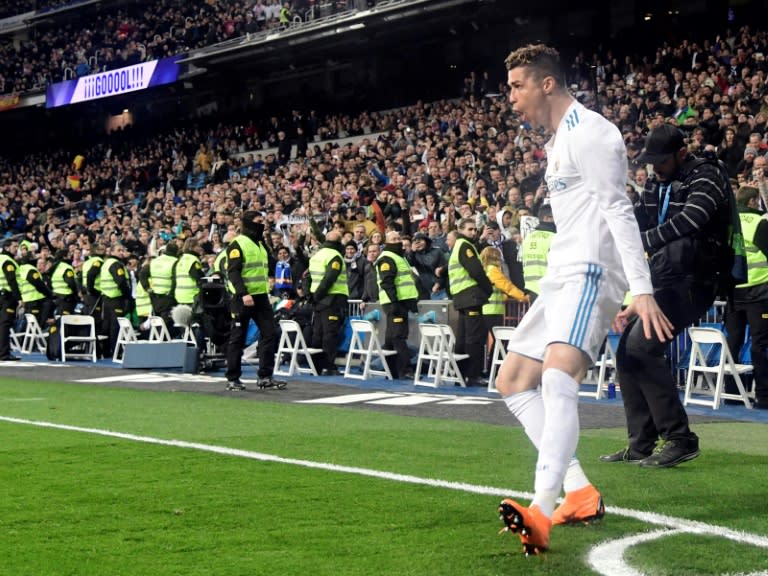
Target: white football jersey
(586,176)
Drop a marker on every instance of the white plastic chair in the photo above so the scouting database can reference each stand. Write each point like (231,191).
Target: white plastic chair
(14,338)
(436,349)
(700,375)
(365,345)
(292,343)
(125,335)
(605,366)
(501,334)
(78,320)
(158,331)
(33,336)
(187,334)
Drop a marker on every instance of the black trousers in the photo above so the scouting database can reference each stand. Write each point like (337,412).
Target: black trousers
(261,313)
(112,309)
(41,310)
(755,314)
(327,331)
(7,320)
(396,338)
(471,335)
(94,306)
(162,304)
(65,305)
(648,389)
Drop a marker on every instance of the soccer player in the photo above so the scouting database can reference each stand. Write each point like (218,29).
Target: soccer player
(596,253)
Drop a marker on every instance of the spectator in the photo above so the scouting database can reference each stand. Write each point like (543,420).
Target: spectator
(682,217)
(430,266)
(355,265)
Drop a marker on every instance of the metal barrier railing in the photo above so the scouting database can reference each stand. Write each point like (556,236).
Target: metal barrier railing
(677,350)
(515,312)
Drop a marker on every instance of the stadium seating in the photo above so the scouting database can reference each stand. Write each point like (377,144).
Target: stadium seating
(710,362)
(437,362)
(365,346)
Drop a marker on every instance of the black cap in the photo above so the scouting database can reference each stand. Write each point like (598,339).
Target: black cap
(660,144)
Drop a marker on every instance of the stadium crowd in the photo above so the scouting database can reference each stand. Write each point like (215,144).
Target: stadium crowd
(118,36)
(419,169)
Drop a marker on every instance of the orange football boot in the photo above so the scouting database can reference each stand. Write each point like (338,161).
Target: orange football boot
(581,506)
(530,524)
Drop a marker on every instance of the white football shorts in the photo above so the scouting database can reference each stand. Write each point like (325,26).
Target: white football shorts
(576,306)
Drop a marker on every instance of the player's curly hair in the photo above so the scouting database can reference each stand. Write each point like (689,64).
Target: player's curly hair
(542,61)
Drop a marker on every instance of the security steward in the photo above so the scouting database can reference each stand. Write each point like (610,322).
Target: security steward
(143,306)
(63,284)
(219,267)
(248,272)
(116,295)
(91,281)
(536,251)
(398,295)
(9,300)
(35,293)
(188,273)
(158,281)
(330,294)
(470,289)
(748,306)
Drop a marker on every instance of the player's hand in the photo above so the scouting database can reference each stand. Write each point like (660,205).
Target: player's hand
(654,320)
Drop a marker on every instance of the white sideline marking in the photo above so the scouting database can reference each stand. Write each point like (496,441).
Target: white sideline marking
(348,398)
(608,557)
(410,400)
(23,364)
(467,401)
(397,399)
(677,524)
(151,377)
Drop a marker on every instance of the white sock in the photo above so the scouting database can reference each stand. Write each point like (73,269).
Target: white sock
(559,438)
(575,478)
(528,408)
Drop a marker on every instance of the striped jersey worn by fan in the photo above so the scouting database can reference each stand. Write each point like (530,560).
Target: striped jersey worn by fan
(597,250)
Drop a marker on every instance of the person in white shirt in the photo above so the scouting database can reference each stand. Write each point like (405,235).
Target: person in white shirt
(596,255)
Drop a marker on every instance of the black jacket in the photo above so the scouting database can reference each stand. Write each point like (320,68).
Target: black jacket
(687,245)
(426,262)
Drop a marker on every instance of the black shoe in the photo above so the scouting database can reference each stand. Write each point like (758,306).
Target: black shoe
(476,382)
(9,358)
(270,382)
(235,385)
(673,452)
(330,372)
(760,404)
(624,455)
